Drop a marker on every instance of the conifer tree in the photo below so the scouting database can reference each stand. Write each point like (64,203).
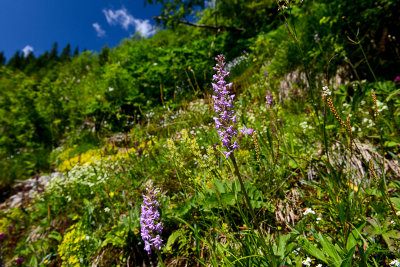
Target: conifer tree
(2,59)
(16,61)
(104,55)
(76,51)
(54,52)
(29,65)
(43,60)
(66,53)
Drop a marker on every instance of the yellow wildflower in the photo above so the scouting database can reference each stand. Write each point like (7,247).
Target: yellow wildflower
(352,186)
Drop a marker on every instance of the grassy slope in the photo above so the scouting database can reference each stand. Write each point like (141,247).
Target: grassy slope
(204,217)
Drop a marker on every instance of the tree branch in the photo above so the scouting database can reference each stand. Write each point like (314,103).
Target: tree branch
(217,28)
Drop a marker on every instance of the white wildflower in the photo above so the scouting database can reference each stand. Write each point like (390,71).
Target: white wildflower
(308,211)
(296,251)
(395,263)
(311,174)
(307,262)
(326,91)
(304,125)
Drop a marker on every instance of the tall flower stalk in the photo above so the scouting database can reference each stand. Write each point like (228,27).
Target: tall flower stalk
(223,106)
(151,226)
(225,122)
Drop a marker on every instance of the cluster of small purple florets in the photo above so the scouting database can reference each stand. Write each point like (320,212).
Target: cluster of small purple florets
(223,106)
(151,228)
(269,99)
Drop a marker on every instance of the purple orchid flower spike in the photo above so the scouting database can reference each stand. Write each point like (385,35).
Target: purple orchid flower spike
(223,106)
(269,99)
(246,131)
(151,227)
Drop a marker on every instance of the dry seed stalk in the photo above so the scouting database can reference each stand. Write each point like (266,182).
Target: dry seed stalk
(271,113)
(277,152)
(161,95)
(332,108)
(349,131)
(374,100)
(257,150)
(372,172)
(348,126)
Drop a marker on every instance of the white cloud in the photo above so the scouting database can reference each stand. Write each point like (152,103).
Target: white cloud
(144,27)
(210,4)
(26,50)
(120,16)
(123,18)
(99,30)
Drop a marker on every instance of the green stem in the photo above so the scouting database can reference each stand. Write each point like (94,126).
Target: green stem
(366,60)
(385,193)
(250,207)
(160,260)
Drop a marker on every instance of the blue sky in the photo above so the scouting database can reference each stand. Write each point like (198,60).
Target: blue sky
(37,24)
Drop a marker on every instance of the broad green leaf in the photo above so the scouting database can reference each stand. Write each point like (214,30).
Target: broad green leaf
(396,202)
(329,249)
(55,235)
(172,238)
(220,186)
(313,250)
(349,258)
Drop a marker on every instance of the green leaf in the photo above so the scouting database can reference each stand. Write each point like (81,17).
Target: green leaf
(354,237)
(228,199)
(391,144)
(388,236)
(349,258)
(86,202)
(55,235)
(172,238)
(396,202)
(391,95)
(329,127)
(313,250)
(220,186)
(282,245)
(33,262)
(329,249)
